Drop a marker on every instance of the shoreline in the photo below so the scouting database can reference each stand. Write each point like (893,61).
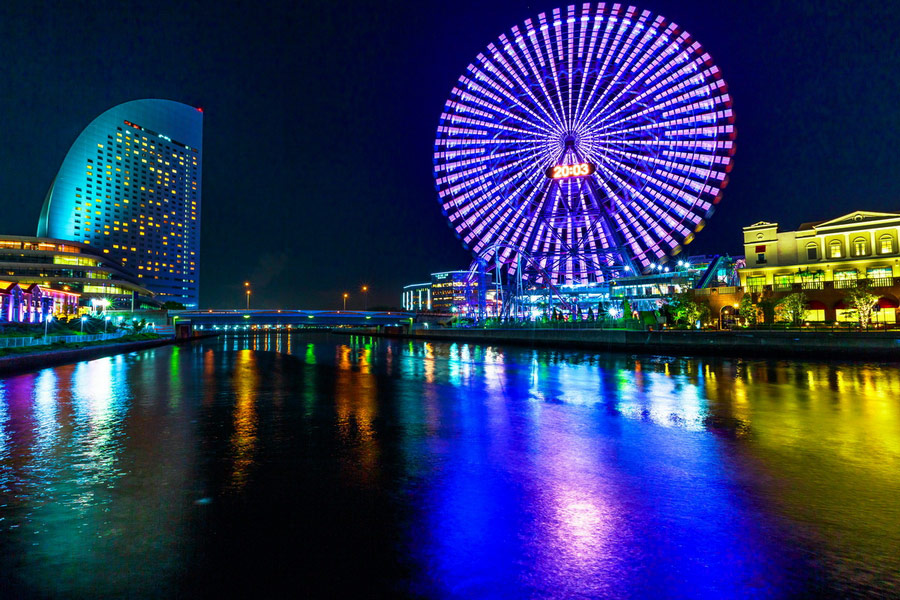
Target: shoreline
(23,363)
(842,345)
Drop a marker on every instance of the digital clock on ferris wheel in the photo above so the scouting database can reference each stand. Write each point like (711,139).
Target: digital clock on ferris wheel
(569,171)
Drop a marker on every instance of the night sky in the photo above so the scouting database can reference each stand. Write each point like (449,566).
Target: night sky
(320,119)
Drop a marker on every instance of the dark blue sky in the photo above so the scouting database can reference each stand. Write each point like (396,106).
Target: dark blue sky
(320,119)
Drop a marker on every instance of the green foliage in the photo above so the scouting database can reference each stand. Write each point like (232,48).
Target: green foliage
(749,310)
(862,304)
(792,308)
(686,310)
(171,305)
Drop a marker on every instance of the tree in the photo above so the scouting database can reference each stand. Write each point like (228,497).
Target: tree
(862,302)
(793,307)
(749,310)
(170,305)
(138,326)
(766,306)
(686,310)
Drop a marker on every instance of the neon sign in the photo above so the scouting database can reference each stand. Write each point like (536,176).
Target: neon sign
(567,171)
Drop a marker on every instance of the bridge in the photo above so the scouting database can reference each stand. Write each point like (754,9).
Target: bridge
(239,319)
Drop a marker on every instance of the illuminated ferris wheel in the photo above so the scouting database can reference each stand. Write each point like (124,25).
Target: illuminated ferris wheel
(592,141)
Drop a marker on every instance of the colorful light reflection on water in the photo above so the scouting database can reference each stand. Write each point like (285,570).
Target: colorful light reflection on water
(341,465)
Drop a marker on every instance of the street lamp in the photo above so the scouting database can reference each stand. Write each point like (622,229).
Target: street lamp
(248,299)
(83,319)
(105,323)
(346,295)
(47,323)
(365,290)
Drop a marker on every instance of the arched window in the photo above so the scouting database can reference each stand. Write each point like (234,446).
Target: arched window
(859,247)
(812,251)
(834,249)
(886,243)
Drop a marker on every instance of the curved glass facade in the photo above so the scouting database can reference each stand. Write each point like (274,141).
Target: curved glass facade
(130,187)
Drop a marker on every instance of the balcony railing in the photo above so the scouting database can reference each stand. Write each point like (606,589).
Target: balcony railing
(842,284)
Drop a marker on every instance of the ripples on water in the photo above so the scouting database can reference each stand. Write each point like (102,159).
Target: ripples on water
(329,466)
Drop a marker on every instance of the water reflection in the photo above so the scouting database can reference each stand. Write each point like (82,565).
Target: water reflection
(449,470)
(245,381)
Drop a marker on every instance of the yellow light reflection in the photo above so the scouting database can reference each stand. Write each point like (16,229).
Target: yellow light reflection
(243,441)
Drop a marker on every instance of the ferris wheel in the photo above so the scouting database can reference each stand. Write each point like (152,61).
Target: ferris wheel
(594,140)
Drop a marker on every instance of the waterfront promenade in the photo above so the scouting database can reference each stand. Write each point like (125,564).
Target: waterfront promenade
(880,345)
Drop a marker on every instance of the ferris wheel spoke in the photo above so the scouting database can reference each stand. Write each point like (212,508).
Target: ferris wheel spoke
(601,74)
(510,94)
(612,64)
(489,100)
(492,227)
(649,101)
(641,222)
(554,96)
(481,90)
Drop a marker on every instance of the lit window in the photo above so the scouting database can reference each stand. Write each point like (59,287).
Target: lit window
(887,244)
(834,248)
(859,247)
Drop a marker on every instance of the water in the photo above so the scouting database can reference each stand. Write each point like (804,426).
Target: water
(330,466)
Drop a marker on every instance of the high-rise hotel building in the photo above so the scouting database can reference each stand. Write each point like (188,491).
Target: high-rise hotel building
(130,187)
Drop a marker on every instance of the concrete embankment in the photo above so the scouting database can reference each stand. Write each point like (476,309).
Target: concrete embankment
(19,363)
(777,344)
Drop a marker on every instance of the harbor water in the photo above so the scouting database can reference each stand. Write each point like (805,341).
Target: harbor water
(332,466)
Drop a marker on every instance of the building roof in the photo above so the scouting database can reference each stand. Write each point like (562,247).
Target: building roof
(857,216)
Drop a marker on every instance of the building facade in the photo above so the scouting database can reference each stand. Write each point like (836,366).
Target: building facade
(452,292)
(130,187)
(824,259)
(34,303)
(70,267)
(417,297)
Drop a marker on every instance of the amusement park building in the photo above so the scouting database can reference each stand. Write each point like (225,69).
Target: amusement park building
(130,187)
(71,267)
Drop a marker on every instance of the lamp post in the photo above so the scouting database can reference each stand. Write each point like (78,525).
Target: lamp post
(248,299)
(83,319)
(105,323)
(365,290)
(346,295)
(47,324)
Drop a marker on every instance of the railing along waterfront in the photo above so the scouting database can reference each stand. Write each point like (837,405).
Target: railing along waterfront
(636,325)
(581,324)
(20,342)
